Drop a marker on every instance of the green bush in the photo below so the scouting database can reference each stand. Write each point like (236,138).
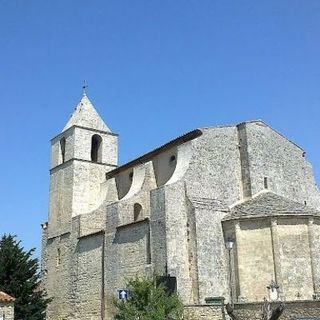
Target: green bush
(147,301)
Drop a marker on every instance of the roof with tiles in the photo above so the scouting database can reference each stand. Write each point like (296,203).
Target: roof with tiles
(4,297)
(269,204)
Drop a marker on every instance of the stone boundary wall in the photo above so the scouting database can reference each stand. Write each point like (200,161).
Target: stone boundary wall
(293,310)
(204,312)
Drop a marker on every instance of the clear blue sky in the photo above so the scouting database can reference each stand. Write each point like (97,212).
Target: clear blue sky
(156,69)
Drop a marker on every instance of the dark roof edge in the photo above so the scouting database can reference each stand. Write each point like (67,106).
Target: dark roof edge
(148,156)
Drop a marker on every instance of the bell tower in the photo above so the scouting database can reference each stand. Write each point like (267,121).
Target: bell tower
(80,156)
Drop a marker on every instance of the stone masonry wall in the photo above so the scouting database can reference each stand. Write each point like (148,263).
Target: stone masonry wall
(6,310)
(293,310)
(163,166)
(204,312)
(88,286)
(295,259)
(56,154)
(60,204)
(82,149)
(78,146)
(282,162)
(158,230)
(57,278)
(210,249)
(127,246)
(314,236)
(176,239)
(281,250)
(255,259)
(87,181)
(214,171)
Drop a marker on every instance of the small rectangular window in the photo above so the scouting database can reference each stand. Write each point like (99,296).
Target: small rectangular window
(58,257)
(148,245)
(265,182)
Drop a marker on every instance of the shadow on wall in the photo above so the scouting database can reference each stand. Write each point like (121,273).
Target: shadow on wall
(87,244)
(131,233)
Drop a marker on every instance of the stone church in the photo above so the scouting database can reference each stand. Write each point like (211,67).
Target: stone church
(230,212)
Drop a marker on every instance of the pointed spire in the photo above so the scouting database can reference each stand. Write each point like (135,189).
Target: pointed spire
(85,115)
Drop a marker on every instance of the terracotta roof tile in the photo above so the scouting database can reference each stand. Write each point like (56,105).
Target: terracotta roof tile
(5,297)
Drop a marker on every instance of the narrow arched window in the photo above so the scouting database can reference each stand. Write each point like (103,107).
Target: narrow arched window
(58,257)
(96,148)
(137,211)
(63,149)
(265,182)
(148,246)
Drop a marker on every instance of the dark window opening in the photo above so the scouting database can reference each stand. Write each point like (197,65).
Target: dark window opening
(137,211)
(265,182)
(63,149)
(172,158)
(58,257)
(169,283)
(96,152)
(148,244)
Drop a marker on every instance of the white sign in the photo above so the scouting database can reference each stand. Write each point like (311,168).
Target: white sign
(123,294)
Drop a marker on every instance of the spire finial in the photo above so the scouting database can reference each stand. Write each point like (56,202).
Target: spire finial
(84,88)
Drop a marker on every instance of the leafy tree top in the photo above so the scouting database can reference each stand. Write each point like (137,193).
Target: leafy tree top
(20,278)
(148,301)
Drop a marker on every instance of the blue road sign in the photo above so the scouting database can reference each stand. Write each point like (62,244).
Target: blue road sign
(123,294)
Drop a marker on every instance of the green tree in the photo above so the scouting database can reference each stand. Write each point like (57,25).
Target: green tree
(20,278)
(148,301)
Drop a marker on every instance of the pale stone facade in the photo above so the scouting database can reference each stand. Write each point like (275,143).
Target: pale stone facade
(6,306)
(172,211)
